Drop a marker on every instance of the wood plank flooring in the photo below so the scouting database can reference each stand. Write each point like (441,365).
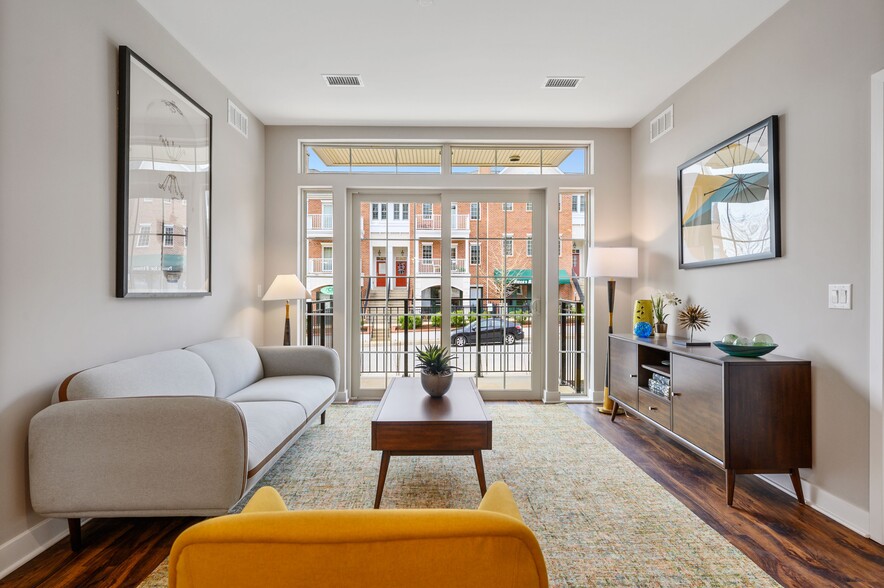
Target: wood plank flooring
(796,545)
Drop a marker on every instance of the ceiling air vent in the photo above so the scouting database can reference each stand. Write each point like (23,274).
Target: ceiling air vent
(560,82)
(342,80)
(662,124)
(237,118)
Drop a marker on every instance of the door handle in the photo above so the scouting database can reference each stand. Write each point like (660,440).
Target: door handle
(633,375)
(652,408)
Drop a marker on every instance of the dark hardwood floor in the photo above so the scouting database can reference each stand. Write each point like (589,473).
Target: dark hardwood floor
(796,545)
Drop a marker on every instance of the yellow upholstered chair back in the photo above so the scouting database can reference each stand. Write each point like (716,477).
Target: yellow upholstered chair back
(270,547)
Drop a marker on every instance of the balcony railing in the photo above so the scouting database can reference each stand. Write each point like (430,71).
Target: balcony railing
(319,222)
(320,266)
(434,266)
(433,222)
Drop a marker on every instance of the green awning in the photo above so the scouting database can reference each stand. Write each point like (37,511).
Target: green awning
(523,276)
(327,290)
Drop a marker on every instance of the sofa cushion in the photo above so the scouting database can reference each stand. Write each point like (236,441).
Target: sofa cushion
(167,373)
(311,392)
(269,426)
(234,363)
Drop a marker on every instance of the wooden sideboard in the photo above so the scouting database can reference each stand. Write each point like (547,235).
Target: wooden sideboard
(745,415)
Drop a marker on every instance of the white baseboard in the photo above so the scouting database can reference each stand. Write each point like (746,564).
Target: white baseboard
(31,543)
(551,396)
(342,397)
(853,517)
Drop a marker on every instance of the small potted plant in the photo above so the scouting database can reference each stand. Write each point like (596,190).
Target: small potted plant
(659,302)
(434,363)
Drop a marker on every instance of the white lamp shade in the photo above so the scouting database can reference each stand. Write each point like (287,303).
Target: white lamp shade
(612,262)
(286,287)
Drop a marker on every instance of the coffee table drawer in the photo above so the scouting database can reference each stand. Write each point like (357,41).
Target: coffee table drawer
(430,436)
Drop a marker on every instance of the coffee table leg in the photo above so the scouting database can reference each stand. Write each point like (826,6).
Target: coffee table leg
(480,470)
(382,477)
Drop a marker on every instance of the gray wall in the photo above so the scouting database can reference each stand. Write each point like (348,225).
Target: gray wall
(58,68)
(810,63)
(610,184)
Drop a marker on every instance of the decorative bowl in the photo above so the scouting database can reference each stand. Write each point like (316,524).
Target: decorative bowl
(745,350)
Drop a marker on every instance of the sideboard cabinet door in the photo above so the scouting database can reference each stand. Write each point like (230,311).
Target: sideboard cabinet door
(624,372)
(698,404)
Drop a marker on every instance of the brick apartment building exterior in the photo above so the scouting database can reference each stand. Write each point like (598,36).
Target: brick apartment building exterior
(401,250)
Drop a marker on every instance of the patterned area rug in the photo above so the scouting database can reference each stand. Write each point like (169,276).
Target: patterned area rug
(600,520)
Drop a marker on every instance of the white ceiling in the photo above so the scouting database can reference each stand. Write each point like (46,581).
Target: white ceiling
(457,62)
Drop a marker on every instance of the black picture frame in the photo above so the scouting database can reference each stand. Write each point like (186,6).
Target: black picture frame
(738,218)
(164,186)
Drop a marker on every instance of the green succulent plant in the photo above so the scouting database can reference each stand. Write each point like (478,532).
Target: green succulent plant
(434,359)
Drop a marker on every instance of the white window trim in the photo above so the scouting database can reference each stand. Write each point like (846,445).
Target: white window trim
(426,244)
(478,247)
(508,238)
(170,236)
(141,233)
(529,247)
(529,206)
(478,211)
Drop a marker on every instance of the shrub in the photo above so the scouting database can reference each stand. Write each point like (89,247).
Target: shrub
(414,321)
(436,320)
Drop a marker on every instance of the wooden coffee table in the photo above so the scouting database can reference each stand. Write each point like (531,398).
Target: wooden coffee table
(409,422)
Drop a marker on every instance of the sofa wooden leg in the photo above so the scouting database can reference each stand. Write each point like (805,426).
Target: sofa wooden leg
(322,418)
(76,535)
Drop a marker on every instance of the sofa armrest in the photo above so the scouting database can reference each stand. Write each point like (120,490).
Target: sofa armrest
(303,360)
(148,456)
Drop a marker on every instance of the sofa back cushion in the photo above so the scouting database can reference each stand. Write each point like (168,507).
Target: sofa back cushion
(167,373)
(234,363)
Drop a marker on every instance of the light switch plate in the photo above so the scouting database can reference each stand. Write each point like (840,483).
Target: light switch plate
(841,296)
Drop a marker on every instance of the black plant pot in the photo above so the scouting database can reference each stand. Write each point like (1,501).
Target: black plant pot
(436,385)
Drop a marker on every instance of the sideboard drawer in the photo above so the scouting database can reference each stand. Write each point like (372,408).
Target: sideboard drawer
(655,408)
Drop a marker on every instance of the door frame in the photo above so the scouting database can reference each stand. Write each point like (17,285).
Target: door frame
(540,351)
(876,314)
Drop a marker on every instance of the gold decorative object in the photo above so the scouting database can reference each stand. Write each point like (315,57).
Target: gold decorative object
(693,318)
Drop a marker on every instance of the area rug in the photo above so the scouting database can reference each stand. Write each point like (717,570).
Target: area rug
(600,520)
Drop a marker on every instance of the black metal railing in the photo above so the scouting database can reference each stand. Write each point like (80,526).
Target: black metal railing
(320,323)
(572,354)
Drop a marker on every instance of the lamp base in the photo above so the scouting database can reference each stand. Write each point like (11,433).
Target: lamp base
(607,406)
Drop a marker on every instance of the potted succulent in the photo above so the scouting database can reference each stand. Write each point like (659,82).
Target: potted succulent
(434,363)
(659,302)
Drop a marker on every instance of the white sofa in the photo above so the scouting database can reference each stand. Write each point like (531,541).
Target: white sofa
(185,432)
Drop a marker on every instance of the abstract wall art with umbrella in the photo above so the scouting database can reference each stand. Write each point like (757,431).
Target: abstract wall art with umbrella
(728,200)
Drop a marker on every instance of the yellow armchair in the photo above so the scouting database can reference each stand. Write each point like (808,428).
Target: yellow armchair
(268,546)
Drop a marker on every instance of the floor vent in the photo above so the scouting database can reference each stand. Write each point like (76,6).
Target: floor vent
(662,124)
(560,82)
(238,119)
(342,80)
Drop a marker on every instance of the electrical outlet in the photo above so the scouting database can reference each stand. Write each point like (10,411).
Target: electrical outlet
(841,296)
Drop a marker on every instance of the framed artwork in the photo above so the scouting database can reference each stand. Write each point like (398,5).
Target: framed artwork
(728,200)
(164,186)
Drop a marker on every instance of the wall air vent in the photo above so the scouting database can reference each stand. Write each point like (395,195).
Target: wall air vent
(342,80)
(562,82)
(237,118)
(662,124)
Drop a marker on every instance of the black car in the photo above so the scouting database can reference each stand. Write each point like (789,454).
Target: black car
(493,330)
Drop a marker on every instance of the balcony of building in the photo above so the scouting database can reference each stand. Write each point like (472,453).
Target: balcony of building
(430,226)
(319,225)
(320,266)
(433,267)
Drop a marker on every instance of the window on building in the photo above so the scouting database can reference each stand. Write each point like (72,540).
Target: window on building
(427,208)
(378,211)
(508,245)
(507,206)
(168,235)
(529,246)
(529,206)
(143,239)
(475,254)
(474,211)
(578,203)
(426,250)
(560,245)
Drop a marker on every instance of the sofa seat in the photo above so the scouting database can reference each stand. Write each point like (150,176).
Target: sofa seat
(269,426)
(313,393)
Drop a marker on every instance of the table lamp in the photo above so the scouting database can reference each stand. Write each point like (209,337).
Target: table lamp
(611,262)
(286,287)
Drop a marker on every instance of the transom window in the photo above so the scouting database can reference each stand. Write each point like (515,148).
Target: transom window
(373,159)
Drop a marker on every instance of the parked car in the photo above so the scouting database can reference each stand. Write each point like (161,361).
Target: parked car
(492,330)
